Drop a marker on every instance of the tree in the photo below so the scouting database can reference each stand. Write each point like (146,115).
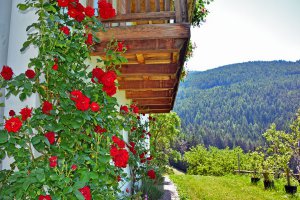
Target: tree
(164,131)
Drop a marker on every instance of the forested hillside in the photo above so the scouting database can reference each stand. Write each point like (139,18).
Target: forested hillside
(234,104)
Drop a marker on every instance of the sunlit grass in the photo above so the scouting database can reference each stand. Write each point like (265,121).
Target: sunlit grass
(232,187)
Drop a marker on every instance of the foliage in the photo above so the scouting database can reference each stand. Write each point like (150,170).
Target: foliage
(200,12)
(69,147)
(214,161)
(233,105)
(280,147)
(231,187)
(164,131)
(256,159)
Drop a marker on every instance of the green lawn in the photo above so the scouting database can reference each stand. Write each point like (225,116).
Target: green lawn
(233,187)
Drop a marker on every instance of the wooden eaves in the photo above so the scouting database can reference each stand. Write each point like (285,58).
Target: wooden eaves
(157,33)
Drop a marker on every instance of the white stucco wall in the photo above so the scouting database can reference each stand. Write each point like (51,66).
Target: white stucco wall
(15,59)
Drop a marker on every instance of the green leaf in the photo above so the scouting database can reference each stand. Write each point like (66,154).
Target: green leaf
(22,6)
(3,137)
(25,45)
(2,104)
(78,195)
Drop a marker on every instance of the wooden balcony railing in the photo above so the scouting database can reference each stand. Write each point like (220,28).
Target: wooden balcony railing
(143,11)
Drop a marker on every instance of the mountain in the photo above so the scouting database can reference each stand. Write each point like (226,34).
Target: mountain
(234,104)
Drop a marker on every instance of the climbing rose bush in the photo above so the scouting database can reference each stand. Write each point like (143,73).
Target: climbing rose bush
(69,147)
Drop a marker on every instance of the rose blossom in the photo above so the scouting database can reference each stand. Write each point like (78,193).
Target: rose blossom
(6,72)
(47,107)
(30,73)
(14,124)
(75,95)
(98,129)
(83,103)
(50,136)
(55,67)
(74,167)
(134,108)
(110,90)
(12,113)
(86,192)
(63,3)
(26,113)
(45,197)
(118,141)
(108,78)
(89,39)
(124,109)
(65,30)
(94,107)
(151,174)
(53,161)
(89,11)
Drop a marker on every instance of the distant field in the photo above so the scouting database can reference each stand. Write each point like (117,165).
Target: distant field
(192,187)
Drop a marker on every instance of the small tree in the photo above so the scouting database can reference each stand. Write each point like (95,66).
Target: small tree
(256,161)
(281,148)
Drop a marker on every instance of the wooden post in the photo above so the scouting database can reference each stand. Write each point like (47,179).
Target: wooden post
(178,11)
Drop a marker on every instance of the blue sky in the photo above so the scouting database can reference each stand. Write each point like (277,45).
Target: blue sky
(247,30)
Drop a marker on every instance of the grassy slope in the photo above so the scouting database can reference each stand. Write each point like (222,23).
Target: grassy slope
(192,187)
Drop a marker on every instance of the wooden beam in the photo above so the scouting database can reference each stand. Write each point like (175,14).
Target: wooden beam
(125,85)
(145,46)
(154,111)
(146,32)
(145,77)
(134,17)
(133,94)
(140,58)
(148,69)
(147,102)
(155,107)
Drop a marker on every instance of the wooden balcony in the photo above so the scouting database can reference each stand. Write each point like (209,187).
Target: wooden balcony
(157,32)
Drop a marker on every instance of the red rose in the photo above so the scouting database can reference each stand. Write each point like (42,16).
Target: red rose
(80,17)
(14,124)
(79,7)
(63,3)
(75,95)
(89,11)
(119,156)
(45,197)
(151,174)
(134,108)
(65,30)
(86,192)
(119,178)
(55,67)
(12,113)
(89,39)
(50,136)
(83,103)
(47,107)
(131,148)
(72,13)
(149,134)
(53,161)
(108,78)
(106,10)
(124,109)
(138,117)
(98,129)
(74,167)
(142,157)
(30,73)
(26,113)
(118,141)
(127,190)
(150,158)
(97,73)
(120,46)
(94,107)
(6,72)
(110,90)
